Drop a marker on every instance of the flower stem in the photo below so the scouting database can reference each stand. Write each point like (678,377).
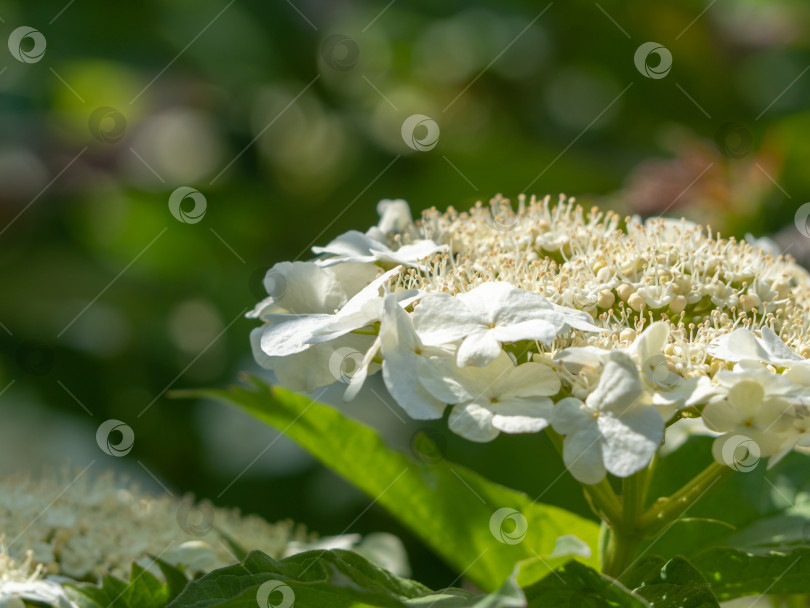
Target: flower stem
(620,552)
(626,534)
(667,510)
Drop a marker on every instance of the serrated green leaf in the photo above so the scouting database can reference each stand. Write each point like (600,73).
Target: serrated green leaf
(447,505)
(734,573)
(327,579)
(575,585)
(176,579)
(670,584)
(143,590)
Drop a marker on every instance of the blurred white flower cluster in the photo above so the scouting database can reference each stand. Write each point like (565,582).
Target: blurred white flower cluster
(607,330)
(83,526)
(64,528)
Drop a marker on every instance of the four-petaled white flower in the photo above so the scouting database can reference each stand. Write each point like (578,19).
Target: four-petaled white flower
(498,397)
(613,429)
(300,348)
(486,317)
(287,334)
(758,406)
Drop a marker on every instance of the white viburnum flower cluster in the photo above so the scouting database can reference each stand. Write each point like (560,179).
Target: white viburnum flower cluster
(606,330)
(82,527)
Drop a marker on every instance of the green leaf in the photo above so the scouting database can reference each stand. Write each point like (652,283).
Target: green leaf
(734,573)
(575,585)
(327,579)
(761,511)
(176,580)
(143,590)
(670,584)
(448,506)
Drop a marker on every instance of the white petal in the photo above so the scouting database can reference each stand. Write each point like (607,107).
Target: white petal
(528,380)
(582,454)
(289,334)
(412,252)
(359,376)
(630,440)
(746,397)
(363,309)
(402,366)
(315,367)
(538,329)
(304,287)
(737,345)
(441,319)
(576,358)
(521,415)
(445,381)
(352,246)
(479,349)
(568,416)
(472,422)
(720,416)
(619,385)
(778,350)
(650,342)
(578,319)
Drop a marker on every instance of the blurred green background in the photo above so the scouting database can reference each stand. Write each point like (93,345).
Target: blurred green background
(291,134)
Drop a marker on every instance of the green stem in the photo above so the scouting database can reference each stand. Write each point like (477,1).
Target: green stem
(604,501)
(669,509)
(620,552)
(633,499)
(625,535)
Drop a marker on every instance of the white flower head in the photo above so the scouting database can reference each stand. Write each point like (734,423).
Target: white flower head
(612,430)
(636,322)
